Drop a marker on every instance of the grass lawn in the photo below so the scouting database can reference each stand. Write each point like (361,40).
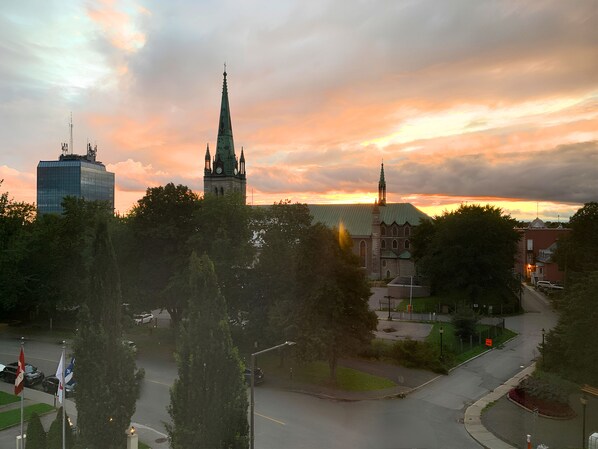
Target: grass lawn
(7,398)
(144,446)
(317,373)
(13,417)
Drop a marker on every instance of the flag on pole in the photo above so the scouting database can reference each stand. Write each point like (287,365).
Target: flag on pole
(68,374)
(60,376)
(20,378)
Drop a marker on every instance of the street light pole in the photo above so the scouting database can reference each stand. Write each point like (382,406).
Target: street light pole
(389,298)
(441,332)
(584,402)
(252,397)
(543,355)
(411,298)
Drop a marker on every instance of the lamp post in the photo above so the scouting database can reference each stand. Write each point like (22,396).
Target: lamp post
(252,397)
(389,298)
(584,402)
(543,355)
(441,332)
(411,298)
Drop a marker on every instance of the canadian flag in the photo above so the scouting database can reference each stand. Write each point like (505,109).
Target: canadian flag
(20,378)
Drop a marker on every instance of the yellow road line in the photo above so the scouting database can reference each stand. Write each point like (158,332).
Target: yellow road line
(271,419)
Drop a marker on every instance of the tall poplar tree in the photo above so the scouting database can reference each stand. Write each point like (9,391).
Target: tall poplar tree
(107,385)
(208,401)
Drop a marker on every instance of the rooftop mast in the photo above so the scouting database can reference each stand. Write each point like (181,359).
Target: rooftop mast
(71,131)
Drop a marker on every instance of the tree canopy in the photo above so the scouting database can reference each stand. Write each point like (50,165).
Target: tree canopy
(471,249)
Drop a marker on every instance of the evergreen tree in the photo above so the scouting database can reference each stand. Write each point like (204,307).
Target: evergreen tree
(54,440)
(208,401)
(107,386)
(36,435)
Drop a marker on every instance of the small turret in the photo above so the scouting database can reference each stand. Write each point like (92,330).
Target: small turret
(208,165)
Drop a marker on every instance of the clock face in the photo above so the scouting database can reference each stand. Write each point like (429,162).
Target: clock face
(218,170)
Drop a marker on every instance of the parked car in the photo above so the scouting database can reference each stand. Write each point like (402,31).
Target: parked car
(50,385)
(143,318)
(258,376)
(1,370)
(33,376)
(548,286)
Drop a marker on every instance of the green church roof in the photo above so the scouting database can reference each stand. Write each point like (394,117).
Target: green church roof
(357,218)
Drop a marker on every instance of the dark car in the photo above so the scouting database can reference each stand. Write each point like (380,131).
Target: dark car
(33,376)
(50,385)
(258,376)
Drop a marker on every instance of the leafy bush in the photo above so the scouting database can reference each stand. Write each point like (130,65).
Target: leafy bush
(465,320)
(36,435)
(544,389)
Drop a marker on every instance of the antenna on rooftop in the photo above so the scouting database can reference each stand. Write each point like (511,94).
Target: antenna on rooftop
(71,132)
(537,206)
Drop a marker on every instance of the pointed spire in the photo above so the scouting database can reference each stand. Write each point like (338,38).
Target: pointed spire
(225,146)
(382,187)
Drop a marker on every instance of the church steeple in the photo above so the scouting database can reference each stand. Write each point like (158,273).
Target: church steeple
(225,146)
(382,187)
(208,165)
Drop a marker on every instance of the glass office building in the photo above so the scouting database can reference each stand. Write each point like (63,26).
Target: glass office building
(72,175)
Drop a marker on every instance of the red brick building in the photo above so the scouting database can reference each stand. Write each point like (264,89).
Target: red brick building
(534,261)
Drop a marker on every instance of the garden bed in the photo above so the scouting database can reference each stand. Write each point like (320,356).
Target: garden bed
(544,407)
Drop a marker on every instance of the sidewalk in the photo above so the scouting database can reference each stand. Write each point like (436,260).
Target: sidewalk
(151,437)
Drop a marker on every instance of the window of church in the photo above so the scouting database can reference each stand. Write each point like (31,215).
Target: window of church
(383,244)
(395,231)
(387,274)
(407,244)
(407,231)
(362,253)
(395,244)
(383,230)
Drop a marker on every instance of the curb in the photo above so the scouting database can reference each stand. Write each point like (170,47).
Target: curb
(473,414)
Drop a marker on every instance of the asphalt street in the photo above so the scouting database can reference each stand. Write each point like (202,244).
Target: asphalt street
(430,417)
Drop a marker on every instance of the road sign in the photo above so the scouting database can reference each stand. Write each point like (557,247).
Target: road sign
(489,342)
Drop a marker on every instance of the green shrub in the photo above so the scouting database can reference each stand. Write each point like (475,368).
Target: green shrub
(36,435)
(544,389)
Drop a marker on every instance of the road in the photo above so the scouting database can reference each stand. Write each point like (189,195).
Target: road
(428,418)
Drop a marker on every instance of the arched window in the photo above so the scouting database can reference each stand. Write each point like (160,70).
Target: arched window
(407,230)
(221,190)
(407,244)
(216,190)
(395,231)
(387,274)
(383,244)
(395,244)
(382,230)
(362,253)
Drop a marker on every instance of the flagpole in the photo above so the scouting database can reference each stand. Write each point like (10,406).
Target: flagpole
(63,393)
(22,394)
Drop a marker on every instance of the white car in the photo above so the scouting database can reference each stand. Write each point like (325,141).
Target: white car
(547,285)
(143,318)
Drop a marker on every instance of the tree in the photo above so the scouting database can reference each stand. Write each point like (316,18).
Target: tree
(272,287)
(107,385)
(578,252)
(471,249)
(208,400)
(54,440)
(36,435)
(465,320)
(161,224)
(569,348)
(333,318)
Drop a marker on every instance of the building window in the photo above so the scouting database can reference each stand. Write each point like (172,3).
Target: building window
(362,253)
(383,230)
(395,244)
(407,244)
(387,274)
(407,231)
(383,244)
(395,231)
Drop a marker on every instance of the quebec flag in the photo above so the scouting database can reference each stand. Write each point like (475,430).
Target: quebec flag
(68,373)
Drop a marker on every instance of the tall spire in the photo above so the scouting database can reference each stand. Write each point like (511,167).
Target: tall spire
(382,187)
(225,146)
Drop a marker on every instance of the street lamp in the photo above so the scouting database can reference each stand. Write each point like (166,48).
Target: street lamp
(252,400)
(389,298)
(441,332)
(543,355)
(584,402)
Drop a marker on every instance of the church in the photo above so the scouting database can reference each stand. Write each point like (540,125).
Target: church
(380,232)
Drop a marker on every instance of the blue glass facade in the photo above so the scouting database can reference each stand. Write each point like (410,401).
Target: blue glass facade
(79,178)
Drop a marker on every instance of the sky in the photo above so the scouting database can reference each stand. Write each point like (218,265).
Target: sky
(486,102)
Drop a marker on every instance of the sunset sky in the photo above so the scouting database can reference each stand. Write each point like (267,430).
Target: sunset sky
(464,101)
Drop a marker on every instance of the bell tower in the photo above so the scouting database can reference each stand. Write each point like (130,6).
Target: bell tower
(225,173)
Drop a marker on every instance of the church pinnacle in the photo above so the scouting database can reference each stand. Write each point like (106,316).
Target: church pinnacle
(382,187)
